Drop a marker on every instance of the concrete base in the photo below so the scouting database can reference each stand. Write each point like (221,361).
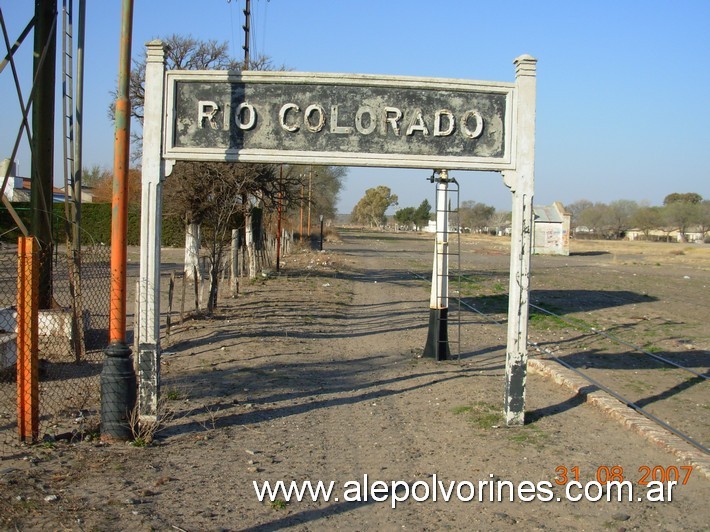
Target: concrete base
(437,342)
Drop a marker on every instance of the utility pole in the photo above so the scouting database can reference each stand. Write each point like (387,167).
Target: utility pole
(78,130)
(246,27)
(279,209)
(45,57)
(437,343)
(310,181)
(300,227)
(118,379)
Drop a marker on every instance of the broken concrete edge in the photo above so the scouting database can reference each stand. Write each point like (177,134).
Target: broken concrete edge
(625,415)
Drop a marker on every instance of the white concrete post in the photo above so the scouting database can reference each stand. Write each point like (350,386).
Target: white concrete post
(521,182)
(193,241)
(437,343)
(440,275)
(153,174)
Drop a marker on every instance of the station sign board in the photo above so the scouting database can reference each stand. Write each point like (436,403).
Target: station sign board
(331,119)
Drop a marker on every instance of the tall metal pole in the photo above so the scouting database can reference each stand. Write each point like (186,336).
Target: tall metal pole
(310,184)
(118,379)
(246,27)
(300,227)
(43,140)
(320,246)
(437,343)
(78,130)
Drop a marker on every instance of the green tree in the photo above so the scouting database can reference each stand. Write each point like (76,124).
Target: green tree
(405,217)
(422,215)
(372,206)
(704,217)
(687,197)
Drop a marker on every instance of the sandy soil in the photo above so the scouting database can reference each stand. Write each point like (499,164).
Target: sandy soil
(315,374)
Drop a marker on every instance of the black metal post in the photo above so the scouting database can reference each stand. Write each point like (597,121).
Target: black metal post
(321,233)
(43,140)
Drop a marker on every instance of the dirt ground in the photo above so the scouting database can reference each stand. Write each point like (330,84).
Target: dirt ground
(316,374)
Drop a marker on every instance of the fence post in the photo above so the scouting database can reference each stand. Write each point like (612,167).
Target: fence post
(27,339)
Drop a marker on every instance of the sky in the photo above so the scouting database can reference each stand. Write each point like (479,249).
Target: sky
(623,87)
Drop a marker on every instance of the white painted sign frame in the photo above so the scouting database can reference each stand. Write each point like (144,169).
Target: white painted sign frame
(308,157)
(518,175)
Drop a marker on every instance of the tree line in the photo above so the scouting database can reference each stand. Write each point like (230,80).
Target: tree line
(681,212)
(472,215)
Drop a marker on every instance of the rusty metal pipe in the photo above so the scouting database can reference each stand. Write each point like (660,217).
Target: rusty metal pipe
(119,212)
(118,378)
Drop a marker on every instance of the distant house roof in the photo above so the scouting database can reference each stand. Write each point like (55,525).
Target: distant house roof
(57,193)
(23,186)
(549,213)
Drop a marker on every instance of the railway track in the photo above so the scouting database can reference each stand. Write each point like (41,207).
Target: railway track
(697,377)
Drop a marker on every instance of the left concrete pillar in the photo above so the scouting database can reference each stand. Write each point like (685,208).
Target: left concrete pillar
(153,174)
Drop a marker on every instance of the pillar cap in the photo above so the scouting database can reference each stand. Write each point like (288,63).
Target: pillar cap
(525,65)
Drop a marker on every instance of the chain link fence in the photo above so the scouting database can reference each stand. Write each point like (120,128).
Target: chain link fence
(54,393)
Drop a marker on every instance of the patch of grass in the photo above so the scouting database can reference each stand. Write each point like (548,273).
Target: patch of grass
(140,442)
(482,415)
(494,304)
(529,435)
(638,386)
(173,395)
(26,505)
(652,349)
(499,287)
(279,504)
(540,320)
(469,284)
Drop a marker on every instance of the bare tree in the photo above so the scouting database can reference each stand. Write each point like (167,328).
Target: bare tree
(216,196)
(475,215)
(681,215)
(576,209)
(647,219)
(619,215)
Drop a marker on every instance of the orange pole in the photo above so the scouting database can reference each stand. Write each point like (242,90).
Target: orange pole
(27,339)
(118,378)
(119,218)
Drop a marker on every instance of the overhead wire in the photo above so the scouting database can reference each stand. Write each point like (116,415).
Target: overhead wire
(593,381)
